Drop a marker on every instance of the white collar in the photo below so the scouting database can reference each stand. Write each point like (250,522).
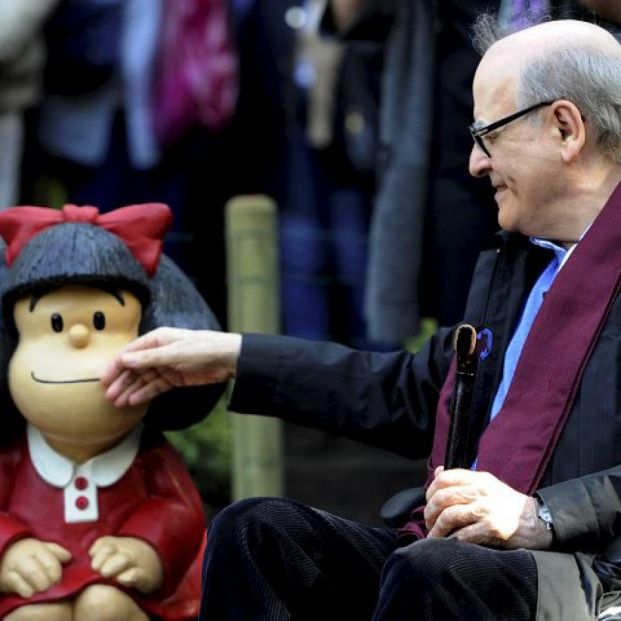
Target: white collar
(106,468)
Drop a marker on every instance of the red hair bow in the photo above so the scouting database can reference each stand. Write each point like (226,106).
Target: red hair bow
(141,227)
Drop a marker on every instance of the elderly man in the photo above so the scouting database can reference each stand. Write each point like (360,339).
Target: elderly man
(529,531)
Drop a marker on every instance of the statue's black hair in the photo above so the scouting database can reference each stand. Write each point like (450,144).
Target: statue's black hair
(84,254)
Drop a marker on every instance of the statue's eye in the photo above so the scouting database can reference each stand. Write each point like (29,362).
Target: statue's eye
(99,320)
(57,322)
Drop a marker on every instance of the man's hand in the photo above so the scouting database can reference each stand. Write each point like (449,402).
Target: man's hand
(30,566)
(130,561)
(170,357)
(476,507)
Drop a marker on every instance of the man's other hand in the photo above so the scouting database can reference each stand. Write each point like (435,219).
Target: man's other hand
(476,507)
(169,357)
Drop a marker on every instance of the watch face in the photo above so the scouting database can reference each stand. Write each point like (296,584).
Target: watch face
(543,513)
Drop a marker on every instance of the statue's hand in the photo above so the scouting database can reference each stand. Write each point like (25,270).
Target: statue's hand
(30,566)
(130,561)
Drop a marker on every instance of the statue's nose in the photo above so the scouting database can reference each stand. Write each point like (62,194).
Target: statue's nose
(79,335)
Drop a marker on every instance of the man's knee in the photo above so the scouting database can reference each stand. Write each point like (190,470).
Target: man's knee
(429,561)
(250,523)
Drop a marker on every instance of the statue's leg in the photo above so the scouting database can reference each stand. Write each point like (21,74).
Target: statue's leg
(42,612)
(101,602)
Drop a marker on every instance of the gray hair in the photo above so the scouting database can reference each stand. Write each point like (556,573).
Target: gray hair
(587,76)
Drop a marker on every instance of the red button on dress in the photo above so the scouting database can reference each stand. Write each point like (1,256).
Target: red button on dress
(81,483)
(81,502)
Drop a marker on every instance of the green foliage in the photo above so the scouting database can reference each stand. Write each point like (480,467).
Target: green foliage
(207,451)
(428,326)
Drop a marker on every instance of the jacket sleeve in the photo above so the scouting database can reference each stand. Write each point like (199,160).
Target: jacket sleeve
(382,399)
(586,511)
(171,520)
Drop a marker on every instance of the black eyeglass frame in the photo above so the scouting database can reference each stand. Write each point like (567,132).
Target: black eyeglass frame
(477,133)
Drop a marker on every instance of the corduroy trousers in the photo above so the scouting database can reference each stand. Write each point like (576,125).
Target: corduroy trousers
(277,560)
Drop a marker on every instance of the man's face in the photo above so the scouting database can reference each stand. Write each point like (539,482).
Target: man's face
(523,167)
(66,339)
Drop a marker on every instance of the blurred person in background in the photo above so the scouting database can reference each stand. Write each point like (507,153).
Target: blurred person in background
(324,220)
(305,133)
(430,218)
(609,9)
(96,121)
(514,14)
(130,85)
(21,64)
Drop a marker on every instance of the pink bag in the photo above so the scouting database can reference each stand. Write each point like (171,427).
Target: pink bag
(197,72)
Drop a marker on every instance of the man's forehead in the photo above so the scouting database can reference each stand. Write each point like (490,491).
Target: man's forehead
(494,93)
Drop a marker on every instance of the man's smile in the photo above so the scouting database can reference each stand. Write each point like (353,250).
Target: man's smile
(75,381)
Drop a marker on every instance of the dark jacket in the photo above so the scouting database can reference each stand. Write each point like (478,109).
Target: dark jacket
(389,400)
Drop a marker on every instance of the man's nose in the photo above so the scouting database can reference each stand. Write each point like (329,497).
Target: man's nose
(480,163)
(79,335)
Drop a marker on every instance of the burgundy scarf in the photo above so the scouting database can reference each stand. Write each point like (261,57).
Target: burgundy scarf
(518,444)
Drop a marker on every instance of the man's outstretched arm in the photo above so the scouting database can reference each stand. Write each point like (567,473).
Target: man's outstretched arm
(382,399)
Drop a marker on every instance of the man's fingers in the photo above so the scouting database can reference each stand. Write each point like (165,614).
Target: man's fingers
(155,338)
(135,381)
(453,518)
(118,384)
(149,391)
(112,372)
(473,533)
(455,476)
(145,358)
(447,497)
(150,341)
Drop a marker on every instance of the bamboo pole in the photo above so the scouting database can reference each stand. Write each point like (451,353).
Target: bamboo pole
(254,306)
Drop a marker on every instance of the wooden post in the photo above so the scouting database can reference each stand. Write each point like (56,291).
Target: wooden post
(254,306)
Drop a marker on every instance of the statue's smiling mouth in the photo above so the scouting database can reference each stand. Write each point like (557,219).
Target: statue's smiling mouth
(75,381)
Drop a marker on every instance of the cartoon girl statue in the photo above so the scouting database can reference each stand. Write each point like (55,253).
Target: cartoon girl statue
(99,518)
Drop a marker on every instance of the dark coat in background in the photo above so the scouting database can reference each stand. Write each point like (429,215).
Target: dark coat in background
(430,218)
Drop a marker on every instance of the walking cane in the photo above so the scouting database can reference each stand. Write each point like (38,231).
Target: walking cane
(397,509)
(465,346)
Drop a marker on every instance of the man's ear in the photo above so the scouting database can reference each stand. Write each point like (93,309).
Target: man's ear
(569,124)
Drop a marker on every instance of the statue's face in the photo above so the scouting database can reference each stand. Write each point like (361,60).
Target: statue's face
(66,339)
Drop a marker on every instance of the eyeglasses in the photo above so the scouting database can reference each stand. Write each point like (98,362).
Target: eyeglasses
(477,133)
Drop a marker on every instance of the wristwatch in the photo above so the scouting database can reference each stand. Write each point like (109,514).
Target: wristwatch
(543,513)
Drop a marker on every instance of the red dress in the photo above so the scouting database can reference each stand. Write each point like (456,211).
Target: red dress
(154,500)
